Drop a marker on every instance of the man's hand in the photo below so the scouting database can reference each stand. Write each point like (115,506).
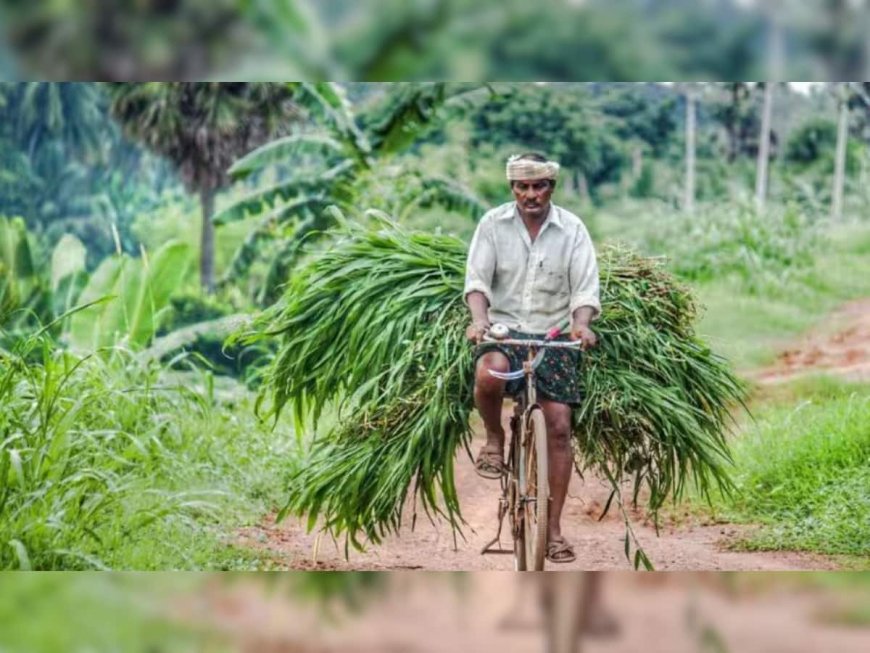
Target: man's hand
(476,329)
(584,333)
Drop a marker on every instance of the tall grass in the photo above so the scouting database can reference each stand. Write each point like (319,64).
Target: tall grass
(108,462)
(720,240)
(803,470)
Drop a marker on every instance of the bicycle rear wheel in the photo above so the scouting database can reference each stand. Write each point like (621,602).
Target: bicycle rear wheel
(536,490)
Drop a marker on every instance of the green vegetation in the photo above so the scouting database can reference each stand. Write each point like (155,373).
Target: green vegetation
(802,470)
(112,463)
(202,128)
(750,328)
(347,167)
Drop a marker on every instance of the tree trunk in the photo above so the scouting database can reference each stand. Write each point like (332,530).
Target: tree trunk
(840,161)
(731,123)
(764,147)
(689,196)
(206,251)
(636,162)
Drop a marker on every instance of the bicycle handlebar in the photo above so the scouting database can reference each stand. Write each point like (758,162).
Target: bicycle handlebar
(573,344)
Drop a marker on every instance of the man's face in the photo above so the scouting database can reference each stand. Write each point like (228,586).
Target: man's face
(533,197)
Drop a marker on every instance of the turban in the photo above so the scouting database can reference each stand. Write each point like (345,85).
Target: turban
(522,169)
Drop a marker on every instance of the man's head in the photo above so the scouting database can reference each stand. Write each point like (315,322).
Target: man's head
(532,178)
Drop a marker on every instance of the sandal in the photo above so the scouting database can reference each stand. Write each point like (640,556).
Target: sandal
(490,463)
(559,550)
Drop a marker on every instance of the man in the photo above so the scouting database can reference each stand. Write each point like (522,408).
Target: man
(531,265)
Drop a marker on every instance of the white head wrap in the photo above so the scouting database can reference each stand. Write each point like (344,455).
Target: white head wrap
(528,169)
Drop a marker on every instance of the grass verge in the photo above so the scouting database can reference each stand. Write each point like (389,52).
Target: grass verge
(802,470)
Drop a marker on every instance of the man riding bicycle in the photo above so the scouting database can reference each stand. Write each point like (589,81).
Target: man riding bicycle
(531,266)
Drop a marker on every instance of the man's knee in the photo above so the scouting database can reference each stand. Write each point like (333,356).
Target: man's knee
(558,424)
(485,381)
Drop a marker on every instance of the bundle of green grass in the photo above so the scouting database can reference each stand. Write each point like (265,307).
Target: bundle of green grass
(373,333)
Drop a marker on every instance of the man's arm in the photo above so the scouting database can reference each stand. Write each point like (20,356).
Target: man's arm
(478,280)
(479,306)
(580,330)
(585,303)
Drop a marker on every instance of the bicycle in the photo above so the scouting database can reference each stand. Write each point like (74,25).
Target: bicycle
(525,485)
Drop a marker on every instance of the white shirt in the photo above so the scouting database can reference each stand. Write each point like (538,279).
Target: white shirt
(532,286)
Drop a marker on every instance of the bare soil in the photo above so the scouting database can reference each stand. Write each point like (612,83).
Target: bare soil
(840,347)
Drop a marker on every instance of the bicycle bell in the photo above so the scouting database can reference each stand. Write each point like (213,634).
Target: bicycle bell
(499,331)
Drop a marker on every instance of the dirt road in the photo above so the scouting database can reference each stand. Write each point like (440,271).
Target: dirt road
(841,347)
(599,544)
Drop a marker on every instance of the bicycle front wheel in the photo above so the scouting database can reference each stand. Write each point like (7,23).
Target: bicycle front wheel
(516,484)
(537,490)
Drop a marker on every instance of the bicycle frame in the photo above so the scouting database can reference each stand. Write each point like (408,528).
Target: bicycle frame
(513,499)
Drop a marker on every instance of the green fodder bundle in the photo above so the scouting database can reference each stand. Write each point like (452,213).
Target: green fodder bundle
(375,327)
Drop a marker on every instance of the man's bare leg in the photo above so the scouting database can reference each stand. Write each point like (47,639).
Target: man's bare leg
(488,392)
(561,460)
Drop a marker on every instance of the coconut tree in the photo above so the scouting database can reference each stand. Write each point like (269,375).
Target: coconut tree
(692,92)
(51,134)
(43,110)
(764,147)
(202,127)
(841,92)
(346,163)
(732,109)
(773,9)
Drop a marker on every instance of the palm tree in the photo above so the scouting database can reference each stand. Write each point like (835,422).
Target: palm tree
(764,147)
(841,91)
(69,111)
(52,134)
(202,127)
(345,166)
(691,93)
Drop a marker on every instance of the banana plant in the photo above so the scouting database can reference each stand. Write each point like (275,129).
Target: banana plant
(338,165)
(23,291)
(140,288)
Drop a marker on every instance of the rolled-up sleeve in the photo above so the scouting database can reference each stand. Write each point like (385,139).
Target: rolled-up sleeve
(583,275)
(480,266)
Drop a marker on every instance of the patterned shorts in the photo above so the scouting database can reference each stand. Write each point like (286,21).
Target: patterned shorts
(558,376)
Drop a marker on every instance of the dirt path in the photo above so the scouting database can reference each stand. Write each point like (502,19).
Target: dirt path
(433,613)
(599,545)
(841,346)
